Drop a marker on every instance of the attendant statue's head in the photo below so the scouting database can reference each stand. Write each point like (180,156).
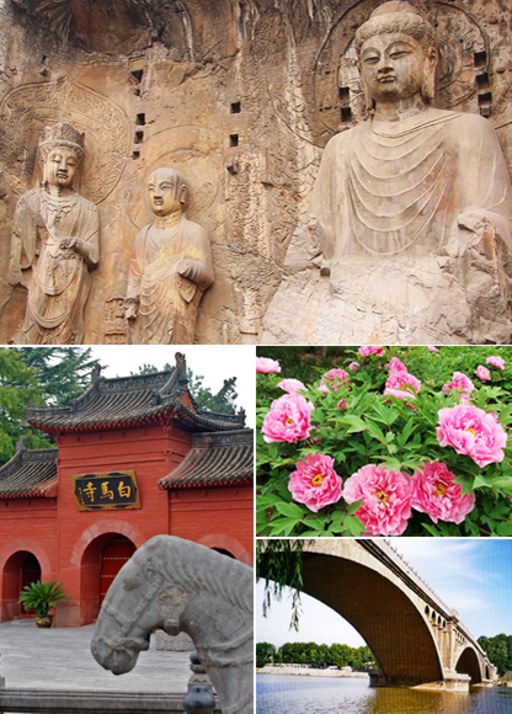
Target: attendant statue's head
(167,192)
(397,55)
(61,149)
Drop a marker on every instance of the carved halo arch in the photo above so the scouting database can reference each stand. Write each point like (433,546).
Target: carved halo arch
(26,110)
(189,150)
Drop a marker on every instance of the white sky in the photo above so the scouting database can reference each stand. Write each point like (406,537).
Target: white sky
(215,362)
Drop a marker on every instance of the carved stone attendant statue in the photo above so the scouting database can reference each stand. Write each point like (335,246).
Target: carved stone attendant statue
(410,214)
(55,242)
(171,267)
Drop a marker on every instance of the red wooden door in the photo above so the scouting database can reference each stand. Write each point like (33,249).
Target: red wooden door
(30,573)
(113,557)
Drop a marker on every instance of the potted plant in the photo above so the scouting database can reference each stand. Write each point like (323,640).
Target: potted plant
(41,597)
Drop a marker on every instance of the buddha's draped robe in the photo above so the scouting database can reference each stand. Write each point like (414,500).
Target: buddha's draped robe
(384,226)
(168,302)
(390,188)
(57,279)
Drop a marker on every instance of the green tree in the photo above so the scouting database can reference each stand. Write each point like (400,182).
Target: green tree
(499,651)
(323,656)
(265,653)
(282,562)
(18,388)
(62,372)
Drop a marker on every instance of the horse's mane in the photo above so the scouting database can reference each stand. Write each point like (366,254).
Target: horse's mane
(197,568)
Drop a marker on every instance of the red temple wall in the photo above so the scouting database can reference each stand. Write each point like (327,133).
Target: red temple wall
(69,542)
(219,517)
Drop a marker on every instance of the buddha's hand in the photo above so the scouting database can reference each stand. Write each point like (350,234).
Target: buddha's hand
(131,308)
(185,268)
(72,242)
(483,230)
(473,221)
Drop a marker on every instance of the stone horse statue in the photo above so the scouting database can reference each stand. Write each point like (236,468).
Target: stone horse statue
(177,585)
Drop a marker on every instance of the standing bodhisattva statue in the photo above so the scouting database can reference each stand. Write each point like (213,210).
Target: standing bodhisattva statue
(410,218)
(170,269)
(55,242)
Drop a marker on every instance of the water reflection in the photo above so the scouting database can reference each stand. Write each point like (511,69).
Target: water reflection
(281,694)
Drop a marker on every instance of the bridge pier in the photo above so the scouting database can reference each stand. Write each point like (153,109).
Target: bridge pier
(453,682)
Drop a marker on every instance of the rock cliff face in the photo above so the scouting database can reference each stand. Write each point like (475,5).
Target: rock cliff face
(238,96)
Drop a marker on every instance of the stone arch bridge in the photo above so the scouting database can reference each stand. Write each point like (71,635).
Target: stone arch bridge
(415,637)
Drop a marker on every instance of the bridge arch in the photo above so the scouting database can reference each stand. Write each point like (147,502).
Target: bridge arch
(469,663)
(397,629)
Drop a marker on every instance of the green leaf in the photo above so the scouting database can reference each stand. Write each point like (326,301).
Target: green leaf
(503,483)
(355,422)
(353,507)
(504,529)
(291,510)
(353,525)
(480,482)
(431,529)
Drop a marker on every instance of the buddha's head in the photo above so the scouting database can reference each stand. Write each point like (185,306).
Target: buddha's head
(167,191)
(397,54)
(61,149)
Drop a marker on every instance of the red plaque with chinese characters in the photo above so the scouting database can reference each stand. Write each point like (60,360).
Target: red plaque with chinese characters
(117,490)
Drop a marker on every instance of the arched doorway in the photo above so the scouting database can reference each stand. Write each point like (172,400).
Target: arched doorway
(30,573)
(113,556)
(223,551)
(88,559)
(20,569)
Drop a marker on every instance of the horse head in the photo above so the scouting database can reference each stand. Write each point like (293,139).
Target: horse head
(136,604)
(176,585)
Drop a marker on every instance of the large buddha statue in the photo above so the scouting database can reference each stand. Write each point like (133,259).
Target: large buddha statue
(55,243)
(409,229)
(170,269)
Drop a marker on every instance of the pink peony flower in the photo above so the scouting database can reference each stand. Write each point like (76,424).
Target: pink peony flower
(482,373)
(342,405)
(432,348)
(396,366)
(367,350)
(265,365)
(387,499)
(354,366)
(435,492)
(496,361)
(472,432)
(288,419)
(400,383)
(291,385)
(333,379)
(315,483)
(461,384)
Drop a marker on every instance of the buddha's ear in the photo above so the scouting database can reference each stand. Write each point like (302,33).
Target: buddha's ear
(368,101)
(182,194)
(428,85)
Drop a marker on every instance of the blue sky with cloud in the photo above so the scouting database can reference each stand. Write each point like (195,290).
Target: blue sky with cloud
(473,576)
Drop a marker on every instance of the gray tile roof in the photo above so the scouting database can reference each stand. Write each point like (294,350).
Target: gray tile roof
(223,458)
(129,401)
(31,473)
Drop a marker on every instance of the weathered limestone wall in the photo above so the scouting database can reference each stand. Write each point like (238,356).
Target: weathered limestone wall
(240,97)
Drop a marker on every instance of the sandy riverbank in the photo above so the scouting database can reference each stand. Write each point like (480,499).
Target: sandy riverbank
(309,672)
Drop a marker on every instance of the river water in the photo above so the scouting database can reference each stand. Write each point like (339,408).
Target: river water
(283,694)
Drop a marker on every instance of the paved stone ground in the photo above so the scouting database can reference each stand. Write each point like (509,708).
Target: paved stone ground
(59,658)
